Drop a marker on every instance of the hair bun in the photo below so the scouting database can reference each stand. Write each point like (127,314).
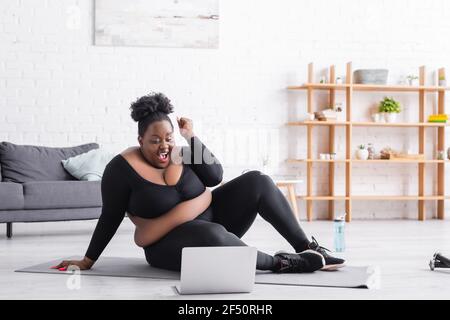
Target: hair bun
(151,103)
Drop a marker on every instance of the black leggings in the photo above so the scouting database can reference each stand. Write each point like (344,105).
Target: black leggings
(231,213)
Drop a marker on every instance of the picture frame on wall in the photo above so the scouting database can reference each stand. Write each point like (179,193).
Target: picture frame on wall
(157,23)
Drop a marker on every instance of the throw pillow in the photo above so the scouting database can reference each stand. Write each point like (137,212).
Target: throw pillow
(88,166)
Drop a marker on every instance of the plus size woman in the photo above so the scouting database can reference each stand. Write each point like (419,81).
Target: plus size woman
(164,190)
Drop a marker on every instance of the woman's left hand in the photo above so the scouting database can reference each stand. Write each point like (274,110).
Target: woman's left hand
(186,127)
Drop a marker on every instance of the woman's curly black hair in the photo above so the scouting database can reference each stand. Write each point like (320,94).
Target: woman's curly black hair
(150,108)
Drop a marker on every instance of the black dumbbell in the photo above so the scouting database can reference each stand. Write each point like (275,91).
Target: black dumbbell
(439,261)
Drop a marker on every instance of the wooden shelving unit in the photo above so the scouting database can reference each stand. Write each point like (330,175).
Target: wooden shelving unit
(348,125)
(365,87)
(367,124)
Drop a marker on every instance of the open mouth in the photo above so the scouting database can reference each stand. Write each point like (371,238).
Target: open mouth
(163,155)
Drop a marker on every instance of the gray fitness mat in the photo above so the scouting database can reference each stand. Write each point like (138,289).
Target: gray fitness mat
(346,277)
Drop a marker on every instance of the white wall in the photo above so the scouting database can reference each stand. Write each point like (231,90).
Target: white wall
(58,89)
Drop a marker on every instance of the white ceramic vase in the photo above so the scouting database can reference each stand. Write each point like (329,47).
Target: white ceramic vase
(378,117)
(390,117)
(362,154)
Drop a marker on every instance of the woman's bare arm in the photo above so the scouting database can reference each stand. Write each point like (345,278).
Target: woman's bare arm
(148,231)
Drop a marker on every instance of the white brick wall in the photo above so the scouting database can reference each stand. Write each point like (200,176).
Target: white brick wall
(57,89)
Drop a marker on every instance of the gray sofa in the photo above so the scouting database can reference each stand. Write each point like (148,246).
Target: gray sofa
(35,187)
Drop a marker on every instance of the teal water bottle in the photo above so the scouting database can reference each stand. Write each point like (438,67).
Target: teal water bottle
(339,234)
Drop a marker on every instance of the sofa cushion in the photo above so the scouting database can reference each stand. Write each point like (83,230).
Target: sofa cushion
(88,166)
(62,194)
(22,163)
(11,196)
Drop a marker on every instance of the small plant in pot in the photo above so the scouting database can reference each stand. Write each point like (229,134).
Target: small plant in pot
(442,81)
(412,79)
(390,108)
(362,153)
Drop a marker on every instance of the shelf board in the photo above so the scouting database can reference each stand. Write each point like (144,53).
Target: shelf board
(397,88)
(399,124)
(367,161)
(323,198)
(316,160)
(367,124)
(399,161)
(320,86)
(368,87)
(318,123)
(401,198)
(377,197)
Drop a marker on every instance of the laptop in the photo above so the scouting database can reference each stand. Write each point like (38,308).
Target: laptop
(217,270)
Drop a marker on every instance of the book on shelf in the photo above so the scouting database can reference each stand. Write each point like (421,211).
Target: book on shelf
(442,118)
(329,115)
(405,156)
(389,154)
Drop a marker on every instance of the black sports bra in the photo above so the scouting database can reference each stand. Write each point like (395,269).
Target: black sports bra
(124,190)
(150,200)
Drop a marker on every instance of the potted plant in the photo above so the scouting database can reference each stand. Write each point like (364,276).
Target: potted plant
(442,81)
(412,79)
(390,108)
(362,153)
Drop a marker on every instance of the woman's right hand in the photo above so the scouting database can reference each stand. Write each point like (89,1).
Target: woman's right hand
(84,264)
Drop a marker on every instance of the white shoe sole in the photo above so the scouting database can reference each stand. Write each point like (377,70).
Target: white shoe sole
(332,267)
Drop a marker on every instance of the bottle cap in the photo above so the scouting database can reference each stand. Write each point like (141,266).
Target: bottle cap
(340,218)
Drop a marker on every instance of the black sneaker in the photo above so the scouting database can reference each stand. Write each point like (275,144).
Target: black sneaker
(331,263)
(439,261)
(307,261)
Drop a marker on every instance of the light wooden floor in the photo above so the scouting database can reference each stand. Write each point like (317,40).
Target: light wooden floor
(401,248)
